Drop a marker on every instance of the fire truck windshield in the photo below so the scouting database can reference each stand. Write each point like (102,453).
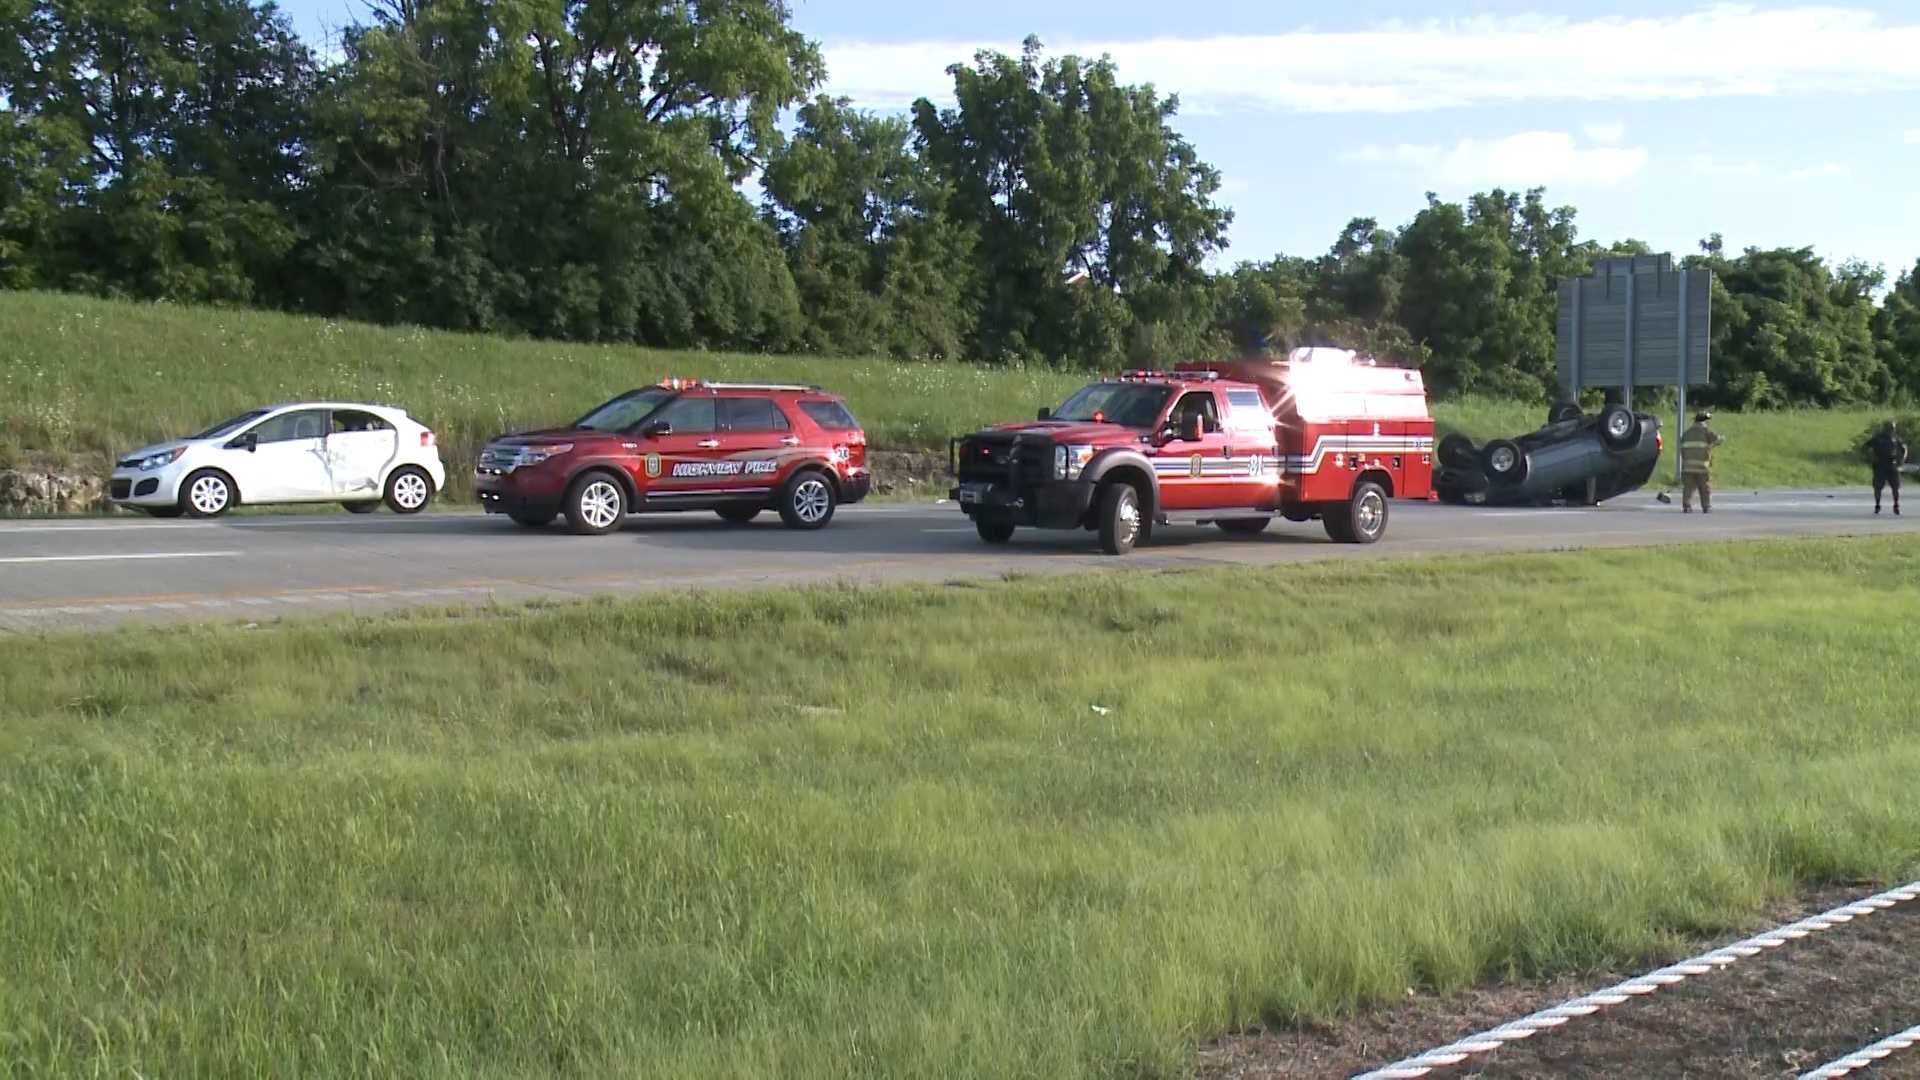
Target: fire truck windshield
(1135,405)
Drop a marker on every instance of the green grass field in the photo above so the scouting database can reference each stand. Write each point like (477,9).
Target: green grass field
(82,379)
(887,832)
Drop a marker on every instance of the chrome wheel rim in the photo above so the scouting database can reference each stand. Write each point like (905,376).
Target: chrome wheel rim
(810,501)
(600,504)
(1129,517)
(1617,426)
(410,491)
(209,495)
(1502,460)
(1371,511)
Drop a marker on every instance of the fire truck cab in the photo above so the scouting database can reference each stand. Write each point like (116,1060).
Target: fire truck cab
(1320,434)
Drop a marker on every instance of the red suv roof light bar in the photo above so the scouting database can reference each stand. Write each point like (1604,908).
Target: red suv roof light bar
(765,386)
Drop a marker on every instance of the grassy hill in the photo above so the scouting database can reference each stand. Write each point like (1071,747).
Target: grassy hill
(81,379)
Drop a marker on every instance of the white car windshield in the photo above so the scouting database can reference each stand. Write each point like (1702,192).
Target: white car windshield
(1135,405)
(228,427)
(625,411)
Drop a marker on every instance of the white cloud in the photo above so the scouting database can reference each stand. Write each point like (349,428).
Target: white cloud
(1527,159)
(1820,171)
(1724,50)
(1913,136)
(1606,134)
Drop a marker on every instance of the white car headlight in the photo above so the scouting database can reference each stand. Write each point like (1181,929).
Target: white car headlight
(161,460)
(1078,455)
(1059,463)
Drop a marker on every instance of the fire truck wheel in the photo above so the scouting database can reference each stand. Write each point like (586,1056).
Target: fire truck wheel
(1362,519)
(1457,450)
(1244,526)
(1120,518)
(994,530)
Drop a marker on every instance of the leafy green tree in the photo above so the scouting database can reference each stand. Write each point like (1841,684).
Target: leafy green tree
(880,266)
(1790,330)
(1896,331)
(1094,216)
(560,167)
(152,147)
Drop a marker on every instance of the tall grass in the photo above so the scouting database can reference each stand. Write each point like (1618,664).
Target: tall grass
(1058,828)
(82,379)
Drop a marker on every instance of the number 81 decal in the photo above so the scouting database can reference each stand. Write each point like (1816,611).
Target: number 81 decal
(1256,465)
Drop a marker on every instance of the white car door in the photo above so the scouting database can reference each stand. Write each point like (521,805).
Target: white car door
(360,448)
(288,462)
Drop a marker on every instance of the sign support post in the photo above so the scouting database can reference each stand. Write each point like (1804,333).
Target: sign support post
(1680,420)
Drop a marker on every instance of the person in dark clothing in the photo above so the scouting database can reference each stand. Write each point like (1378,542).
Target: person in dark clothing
(1888,452)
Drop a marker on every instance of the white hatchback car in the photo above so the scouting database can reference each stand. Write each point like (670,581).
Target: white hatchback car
(307,452)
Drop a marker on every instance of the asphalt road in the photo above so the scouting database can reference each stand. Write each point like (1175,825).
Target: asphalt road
(69,574)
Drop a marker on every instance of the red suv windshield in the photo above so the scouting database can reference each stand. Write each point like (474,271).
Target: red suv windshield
(625,412)
(1135,405)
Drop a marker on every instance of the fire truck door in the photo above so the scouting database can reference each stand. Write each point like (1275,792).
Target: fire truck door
(1252,450)
(1198,475)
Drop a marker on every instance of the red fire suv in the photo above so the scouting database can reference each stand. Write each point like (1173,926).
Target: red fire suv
(733,448)
(1321,434)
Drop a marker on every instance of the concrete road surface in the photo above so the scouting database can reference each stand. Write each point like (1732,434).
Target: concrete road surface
(92,573)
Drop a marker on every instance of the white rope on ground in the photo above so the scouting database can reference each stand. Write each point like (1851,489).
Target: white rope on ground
(1865,1056)
(1527,1026)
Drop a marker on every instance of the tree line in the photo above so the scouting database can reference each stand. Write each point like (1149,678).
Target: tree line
(575,169)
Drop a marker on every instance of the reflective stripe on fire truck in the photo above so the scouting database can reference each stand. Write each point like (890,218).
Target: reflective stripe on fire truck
(1301,464)
(1215,468)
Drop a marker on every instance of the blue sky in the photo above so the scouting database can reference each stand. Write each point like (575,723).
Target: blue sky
(1786,123)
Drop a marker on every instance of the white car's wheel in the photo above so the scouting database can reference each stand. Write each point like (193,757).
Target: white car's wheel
(409,490)
(207,493)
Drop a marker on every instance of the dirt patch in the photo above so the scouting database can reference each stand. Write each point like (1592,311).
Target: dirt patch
(910,474)
(1777,1014)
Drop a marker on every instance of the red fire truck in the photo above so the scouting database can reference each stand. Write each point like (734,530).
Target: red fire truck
(1321,434)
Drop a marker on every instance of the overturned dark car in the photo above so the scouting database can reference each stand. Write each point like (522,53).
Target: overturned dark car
(1577,459)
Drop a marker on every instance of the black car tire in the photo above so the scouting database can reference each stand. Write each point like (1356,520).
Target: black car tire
(1121,519)
(362,507)
(1457,450)
(1244,526)
(1505,462)
(1619,428)
(596,504)
(1563,411)
(738,515)
(807,501)
(530,520)
(993,530)
(1362,519)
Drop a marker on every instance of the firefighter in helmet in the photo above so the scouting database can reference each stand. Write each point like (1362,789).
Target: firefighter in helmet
(1696,463)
